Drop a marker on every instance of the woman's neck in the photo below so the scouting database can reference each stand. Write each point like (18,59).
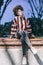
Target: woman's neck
(21,16)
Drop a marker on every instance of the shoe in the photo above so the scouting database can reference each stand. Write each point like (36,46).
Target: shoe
(34,51)
(24,61)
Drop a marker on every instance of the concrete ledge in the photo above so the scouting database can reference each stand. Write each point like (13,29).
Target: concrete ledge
(11,52)
(17,42)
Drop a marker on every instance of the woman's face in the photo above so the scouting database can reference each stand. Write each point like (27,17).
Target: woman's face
(20,12)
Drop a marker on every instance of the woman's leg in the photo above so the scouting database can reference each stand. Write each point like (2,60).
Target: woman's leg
(24,47)
(25,38)
(29,44)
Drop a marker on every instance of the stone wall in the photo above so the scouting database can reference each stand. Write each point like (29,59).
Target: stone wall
(11,52)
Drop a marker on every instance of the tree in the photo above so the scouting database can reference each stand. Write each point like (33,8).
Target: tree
(6,4)
(38,8)
(36,22)
(1,3)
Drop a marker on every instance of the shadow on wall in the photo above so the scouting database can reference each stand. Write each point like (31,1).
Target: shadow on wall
(38,59)
(12,61)
(9,56)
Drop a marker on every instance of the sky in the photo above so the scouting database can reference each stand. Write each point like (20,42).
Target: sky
(8,15)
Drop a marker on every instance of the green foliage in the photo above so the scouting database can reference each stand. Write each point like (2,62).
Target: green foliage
(1,3)
(2,32)
(37,27)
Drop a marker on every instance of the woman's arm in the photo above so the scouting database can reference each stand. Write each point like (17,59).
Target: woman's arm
(29,29)
(13,29)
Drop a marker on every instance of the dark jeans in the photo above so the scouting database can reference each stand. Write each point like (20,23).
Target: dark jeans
(25,41)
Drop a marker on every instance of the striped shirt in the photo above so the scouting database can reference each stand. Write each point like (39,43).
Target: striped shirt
(20,23)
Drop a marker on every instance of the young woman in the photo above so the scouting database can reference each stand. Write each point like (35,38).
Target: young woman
(21,28)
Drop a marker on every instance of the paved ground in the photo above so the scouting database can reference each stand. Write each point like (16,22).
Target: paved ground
(13,56)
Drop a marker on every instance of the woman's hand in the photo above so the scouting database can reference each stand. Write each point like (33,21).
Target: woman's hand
(10,36)
(33,36)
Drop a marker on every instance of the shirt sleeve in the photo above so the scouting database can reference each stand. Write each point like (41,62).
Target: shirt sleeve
(28,26)
(13,27)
